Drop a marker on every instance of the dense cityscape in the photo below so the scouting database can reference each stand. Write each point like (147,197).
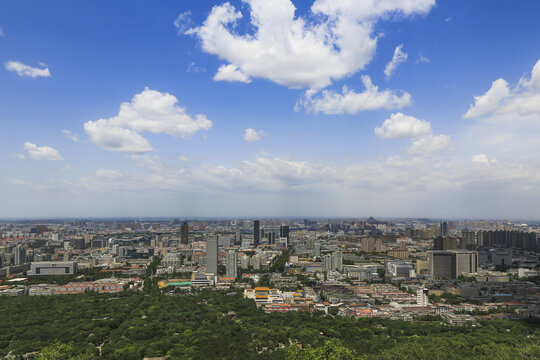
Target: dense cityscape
(461,272)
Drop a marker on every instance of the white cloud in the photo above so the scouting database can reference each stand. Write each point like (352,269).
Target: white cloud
(252,135)
(231,73)
(334,40)
(295,187)
(490,101)
(401,126)
(399,57)
(148,111)
(351,102)
(183,22)
(115,138)
(183,158)
(522,100)
(431,144)
(483,159)
(1,32)
(422,59)
(26,70)
(194,68)
(70,135)
(46,153)
(108,174)
(19,156)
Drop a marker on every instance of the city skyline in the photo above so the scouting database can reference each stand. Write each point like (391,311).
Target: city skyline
(318,109)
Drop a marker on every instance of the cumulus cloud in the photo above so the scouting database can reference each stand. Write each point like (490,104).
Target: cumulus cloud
(334,40)
(522,100)
(19,156)
(252,135)
(399,57)
(431,144)
(401,126)
(490,101)
(26,70)
(231,73)
(70,135)
(148,111)
(482,159)
(351,102)
(45,153)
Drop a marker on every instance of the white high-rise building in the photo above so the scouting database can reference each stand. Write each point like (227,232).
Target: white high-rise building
(244,262)
(256,262)
(232,264)
(422,297)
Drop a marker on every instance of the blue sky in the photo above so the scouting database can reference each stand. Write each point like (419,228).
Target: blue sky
(313,148)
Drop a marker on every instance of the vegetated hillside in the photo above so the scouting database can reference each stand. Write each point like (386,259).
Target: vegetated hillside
(213,325)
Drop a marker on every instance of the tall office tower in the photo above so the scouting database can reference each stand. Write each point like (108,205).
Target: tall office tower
(212,255)
(238,237)
(232,264)
(271,234)
(317,248)
(256,232)
(184,233)
(449,264)
(284,232)
(443,228)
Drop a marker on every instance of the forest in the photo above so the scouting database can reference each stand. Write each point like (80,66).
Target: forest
(215,325)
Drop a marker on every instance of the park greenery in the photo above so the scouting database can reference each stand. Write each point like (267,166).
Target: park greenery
(214,324)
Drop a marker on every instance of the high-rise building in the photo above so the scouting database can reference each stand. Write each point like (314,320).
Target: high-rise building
(368,244)
(256,262)
(19,255)
(334,262)
(232,264)
(449,264)
(284,232)
(445,243)
(443,228)
(184,233)
(224,241)
(256,232)
(238,237)
(317,247)
(212,255)
(469,237)
(244,262)
(337,260)
(422,297)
